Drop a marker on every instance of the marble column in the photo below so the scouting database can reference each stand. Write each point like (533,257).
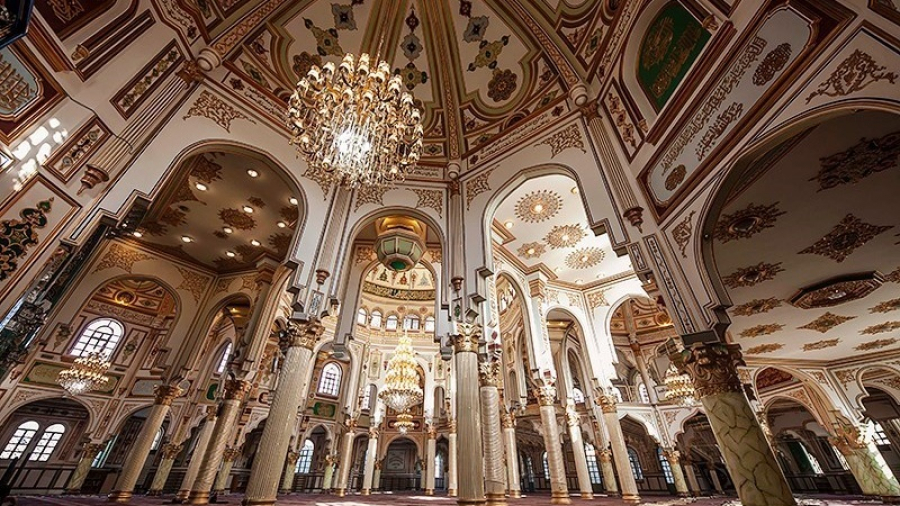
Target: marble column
(430,452)
(492,440)
(609,473)
(140,449)
(642,366)
(452,476)
(88,453)
(169,452)
(298,339)
(290,466)
(228,458)
(328,476)
(371,457)
(197,455)
(559,490)
(691,475)
(619,450)
(673,457)
(749,458)
(376,479)
(465,339)
(513,479)
(866,464)
(229,410)
(573,421)
(346,462)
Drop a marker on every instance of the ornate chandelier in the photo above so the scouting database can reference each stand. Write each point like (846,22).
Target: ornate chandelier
(87,373)
(404,422)
(401,386)
(354,125)
(679,387)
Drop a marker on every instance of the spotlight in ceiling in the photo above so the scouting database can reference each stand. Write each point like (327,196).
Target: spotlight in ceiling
(294,201)
(254,242)
(574,190)
(538,208)
(247,209)
(137,234)
(229,254)
(200,186)
(252,173)
(282,224)
(508,224)
(227,230)
(579,281)
(186,238)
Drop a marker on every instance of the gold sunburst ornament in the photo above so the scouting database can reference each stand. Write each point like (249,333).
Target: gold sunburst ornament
(353,123)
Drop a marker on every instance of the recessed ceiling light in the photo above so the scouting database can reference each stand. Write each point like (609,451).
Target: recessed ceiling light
(556,269)
(281,224)
(252,173)
(294,201)
(186,238)
(229,254)
(254,242)
(200,186)
(579,281)
(574,190)
(584,258)
(137,234)
(538,208)
(508,224)
(565,237)
(247,209)
(531,251)
(227,230)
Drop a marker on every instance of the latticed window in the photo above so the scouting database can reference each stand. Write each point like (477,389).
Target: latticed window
(100,336)
(304,460)
(593,469)
(642,394)
(635,464)
(429,324)
(391,322)
(330,382)
(664,463)
(879,436)
(577,395)
(47,443)
(546,464)
(223,361)
(366,403)
(20,440)
(375,321)
(439,465)
(411,322)
(361,317)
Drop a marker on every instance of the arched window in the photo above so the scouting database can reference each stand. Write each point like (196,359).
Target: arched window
(101,336)
(429,324)
(330,382)
(813,461)
(411,322)
(391,322)
(642,394)
(635,464)
(361,317)
(20,440)
(366,403)
(593,470)
(47,443)
(375,321)
(223,361)
(664,463)
(157,439)
(617,394)
(879,436)
(439,466)
(546,464)
(304,460)
(577,395)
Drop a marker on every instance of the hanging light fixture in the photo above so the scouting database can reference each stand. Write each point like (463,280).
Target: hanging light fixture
(404,422)
(87,373)
(354,124)
(679,387)
(401,386)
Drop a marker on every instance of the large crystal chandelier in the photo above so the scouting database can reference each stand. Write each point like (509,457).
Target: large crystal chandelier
(87,373)
(354,124)
(401,384)
(679,387)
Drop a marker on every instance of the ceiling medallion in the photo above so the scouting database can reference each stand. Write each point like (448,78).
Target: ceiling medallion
(821,345)
(538,206)
(583,258)
(826,322)
(858,162)
(761,330)
(764,348)
(565,236)
(881,328)
(886,306)
(876,344)
(354,124)
(752,275)
(746,222)
(756,306)
(531,250)
(237,219)
(844,238)
(835,291)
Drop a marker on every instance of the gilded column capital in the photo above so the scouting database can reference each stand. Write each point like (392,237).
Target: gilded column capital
(378,465)
(489,373)
(351,423)
(236,389)
(165,394)
(508,420)
(713,367)
(231,454)
(607,403)
(546,395)
(171,450)
(90,450)
(451,426)
(301,334)
(572,418)
(330,460)
(605,455)
(432,432)
(467,337)
(373,432)
(210,413)
(847,439)
(292,457)
(672,455)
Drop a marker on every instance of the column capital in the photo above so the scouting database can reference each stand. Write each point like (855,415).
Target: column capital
(451,426)
(713,367)
(489,373)
(236,389)
(330,459)
(847,439)
(607,403)
(508,420)
(231,454)
(210,413)
(605,455)
(351,423)
(301,334)
(546,394)
(165,394)
(171,450)
(90,450)
(572,418)
(432,432)
(672,455)
(373,432)
(292,457)
(466,340)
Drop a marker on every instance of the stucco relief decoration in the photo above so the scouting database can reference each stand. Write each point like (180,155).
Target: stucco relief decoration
(477,185)
(848,235)
(148,80)
(682,233)
(569,137)
(893,276)
(756,306)
(369,195)
(237,219)
(66,10)
(538,206)
(621,119)
(364,254)
(821,345)
(17,236)
(212,107)
(121,256)
(761,330)
(584,258)
(565,236)
(764,348)
(597,299)
(876,344)
(854,74)
(860,161)
(752,275)
(881,328)
(826,322)
(747,222)
(886,306)
(531,250)
(772,64)
(77,149)
(836,291)
(432,199)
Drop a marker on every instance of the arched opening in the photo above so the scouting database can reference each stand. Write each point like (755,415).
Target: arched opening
(700,455)
(402,467)
(118,449)
(883,413)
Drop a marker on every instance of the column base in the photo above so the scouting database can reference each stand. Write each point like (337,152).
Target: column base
(559,497)
(197,497)
(72,491)
(515,494)
(684,494)
(451,492)
(257,502)
(631,499)
(890,499)
(612,493)
(587,495)
(429,491)
(181,496)
(366,491)
(495,499)
(341,492)
(119,496)
(473,502)
(154,493)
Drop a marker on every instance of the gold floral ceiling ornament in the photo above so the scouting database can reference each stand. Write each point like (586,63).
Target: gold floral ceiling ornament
(354,124)
(746,222)
(876,344)
(565,236)
(531,250)
(761,330)
(583,258)
(826,322)
(756,306)
(821,345)
(236,218)
(752,275)
(764,348)
(836,291)
(848,235)
(538,206)
(858,162)
(886,306)
(881,328)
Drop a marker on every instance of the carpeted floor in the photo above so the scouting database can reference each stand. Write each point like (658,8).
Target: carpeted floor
(419,500)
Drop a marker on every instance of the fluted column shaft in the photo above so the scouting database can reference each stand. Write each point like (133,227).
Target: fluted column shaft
(673,457)
(290,465)
(299,340)
(619,450)
(581,468)
(492,440)
(88,454)
(452,476)
(169,452)
(469,449)
(559,490)
(235,390)
(371,457)
(345,462)
(430,452)
(197,456)
(750,460)
(140,449)
(228,458)
(512,455)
